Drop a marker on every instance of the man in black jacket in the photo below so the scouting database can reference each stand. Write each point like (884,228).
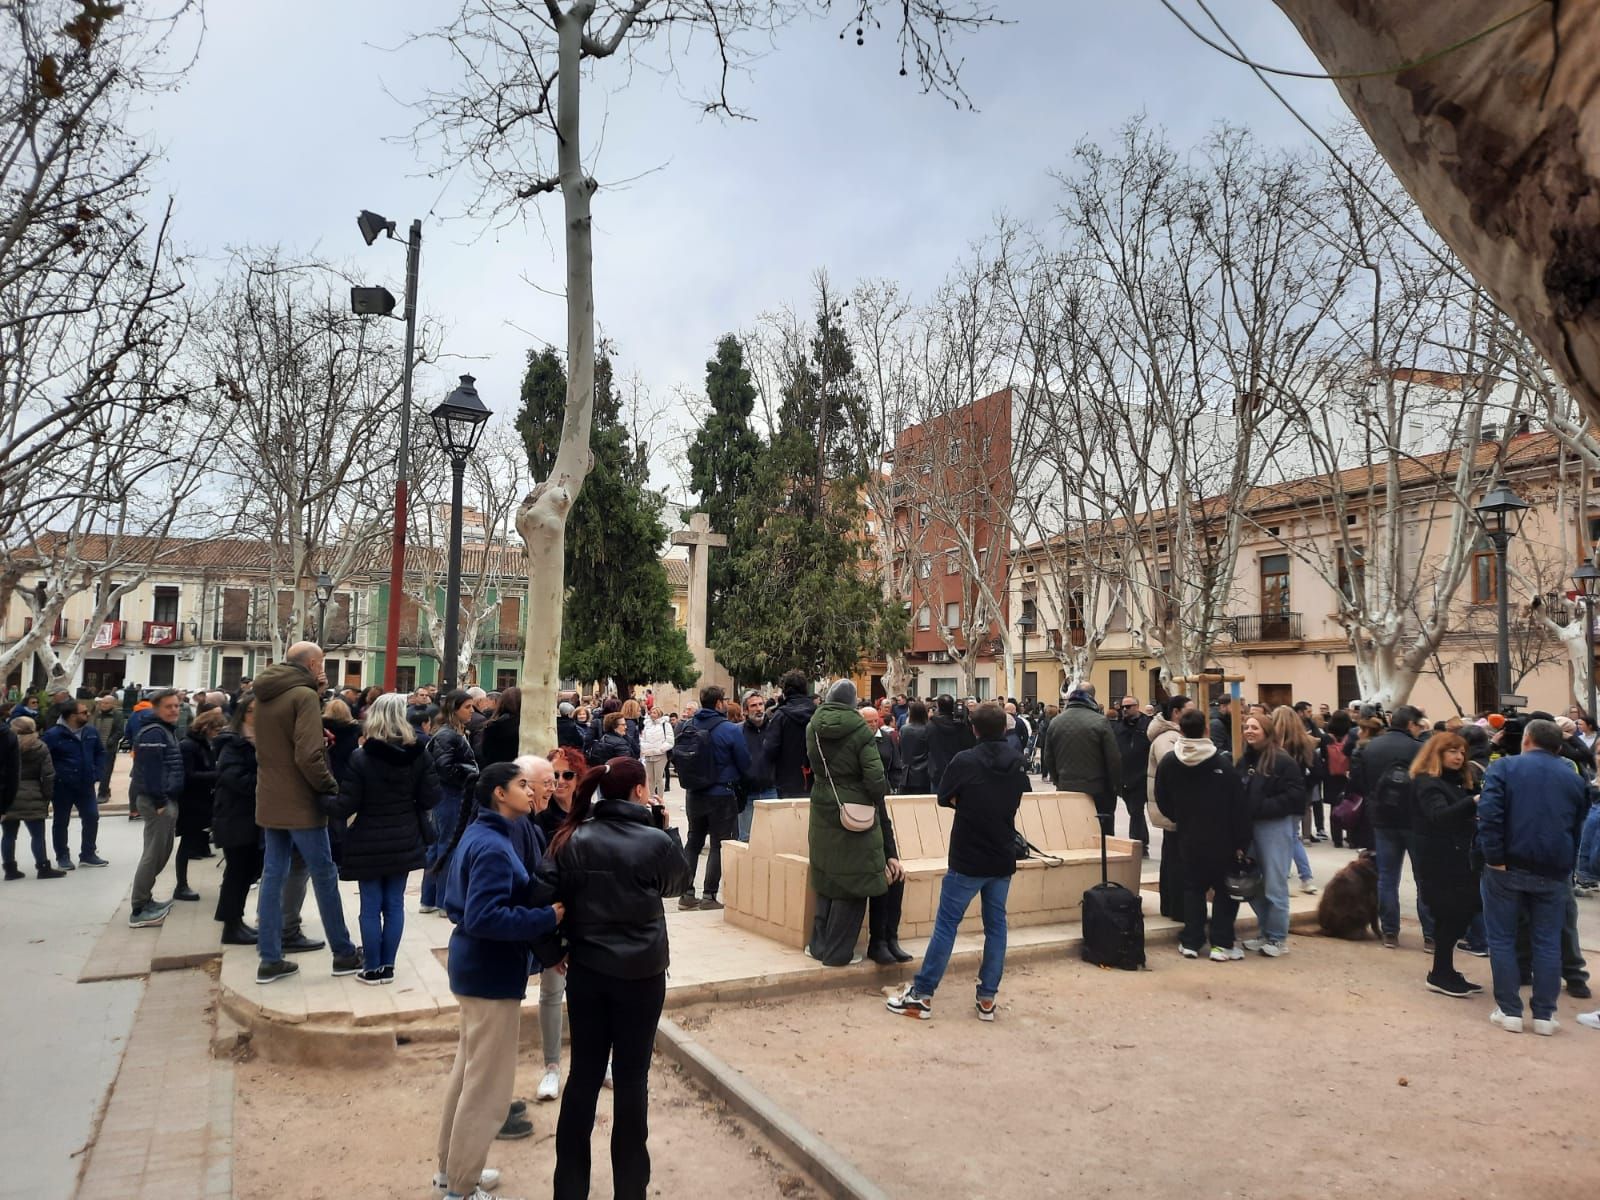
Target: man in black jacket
(984,785)
(785,739)
(948,736)
(894,765)
(1222,723)
(1131,730)
(1375,772)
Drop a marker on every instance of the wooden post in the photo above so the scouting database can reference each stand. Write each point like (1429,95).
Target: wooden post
(1237,724)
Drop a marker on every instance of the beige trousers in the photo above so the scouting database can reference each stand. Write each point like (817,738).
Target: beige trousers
(479,1093)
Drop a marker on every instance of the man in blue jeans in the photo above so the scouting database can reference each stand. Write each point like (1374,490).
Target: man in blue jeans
(292,782)
(1388,801)
(1530,819)
(984,785)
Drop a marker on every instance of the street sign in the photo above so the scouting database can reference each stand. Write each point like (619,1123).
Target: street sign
(1509,701)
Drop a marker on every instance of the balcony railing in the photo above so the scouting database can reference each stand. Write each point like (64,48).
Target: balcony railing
(1268,627)
(225,630)
(499,642)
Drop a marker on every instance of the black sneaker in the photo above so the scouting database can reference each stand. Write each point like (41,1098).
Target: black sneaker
(92,860)
(64,864)
(373,977)
(49,872)
(1466,949)
(1578,989)
(271,972)
(514,1129)
(1456,987)
(301,944)
(185,893)
(348,964)
(688,901)
(710,903)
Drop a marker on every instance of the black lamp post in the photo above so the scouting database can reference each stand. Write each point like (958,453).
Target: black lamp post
(1587,577)
(458,421)
(1025,626)
(324,594)
(1495,510)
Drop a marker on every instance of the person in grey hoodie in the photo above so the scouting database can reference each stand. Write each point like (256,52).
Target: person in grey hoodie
(1198,790)
(1164,734)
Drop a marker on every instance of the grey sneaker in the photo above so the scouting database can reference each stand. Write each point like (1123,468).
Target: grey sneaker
(710,903)
(65,864)
(347,964)
(144,918)
(271,972)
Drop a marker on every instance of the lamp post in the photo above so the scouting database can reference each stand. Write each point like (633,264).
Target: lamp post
(1495,511)
(376,301)
(1025,626)
(458,421)
(324,594)
(1587,577)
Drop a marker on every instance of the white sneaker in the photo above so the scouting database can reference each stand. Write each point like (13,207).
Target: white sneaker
(1188,953)
(1591,1019)
(1218,954)
(1253,944)
(427,908)
(1546,1028)
(1308,888)
(1274,949)
(490,1178)
(549,1086)
(1509,1024)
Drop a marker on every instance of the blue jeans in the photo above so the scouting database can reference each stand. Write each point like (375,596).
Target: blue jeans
(1273,848)
(1393,846)
(1588,862)
(88,812)
(1505,894)
(749,814)
(444,816)
(383,919)
(313,847)
(1302,863)
(955,897)
(8,842)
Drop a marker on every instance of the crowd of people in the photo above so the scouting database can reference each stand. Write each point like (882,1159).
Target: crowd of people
(555,861)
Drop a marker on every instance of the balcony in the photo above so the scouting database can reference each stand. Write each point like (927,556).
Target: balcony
(1267,627)
(228,630)
(499,642)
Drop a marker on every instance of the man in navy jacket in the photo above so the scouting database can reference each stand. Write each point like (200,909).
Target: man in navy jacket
(79,758)
(713,812)
(1530,818)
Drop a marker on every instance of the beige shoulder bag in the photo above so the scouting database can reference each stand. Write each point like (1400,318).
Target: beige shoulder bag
(857,818)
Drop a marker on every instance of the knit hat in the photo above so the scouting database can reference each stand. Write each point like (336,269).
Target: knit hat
(843,692)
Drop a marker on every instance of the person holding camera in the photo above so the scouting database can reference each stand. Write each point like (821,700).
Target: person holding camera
(611,864)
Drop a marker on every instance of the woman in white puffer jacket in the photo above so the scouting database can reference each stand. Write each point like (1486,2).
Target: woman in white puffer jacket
(655,740)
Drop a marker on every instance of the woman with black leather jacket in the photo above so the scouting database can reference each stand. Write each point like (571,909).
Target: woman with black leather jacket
(457,768)
(194,809)
(233,822)
(1275,792)
(611,863)
(1444,824)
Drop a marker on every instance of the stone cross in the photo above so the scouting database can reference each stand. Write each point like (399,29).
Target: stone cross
(699,539)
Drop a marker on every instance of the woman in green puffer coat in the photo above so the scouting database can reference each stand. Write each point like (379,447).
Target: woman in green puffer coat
(847,869)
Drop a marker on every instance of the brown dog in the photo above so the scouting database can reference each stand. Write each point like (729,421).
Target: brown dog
(1349,905)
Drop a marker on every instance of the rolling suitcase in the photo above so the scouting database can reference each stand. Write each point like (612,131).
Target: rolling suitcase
(1113,923)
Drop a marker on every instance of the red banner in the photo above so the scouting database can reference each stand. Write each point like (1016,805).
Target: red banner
(108,635)
(159,635)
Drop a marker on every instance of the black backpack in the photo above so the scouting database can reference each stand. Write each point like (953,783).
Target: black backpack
(1391,799)
(693,755)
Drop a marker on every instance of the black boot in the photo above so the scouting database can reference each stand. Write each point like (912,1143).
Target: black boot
(237,933)
(893,900)
(880,953)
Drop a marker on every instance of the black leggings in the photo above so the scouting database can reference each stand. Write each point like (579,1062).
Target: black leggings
(616,1019)
(1448,928)
(241,866)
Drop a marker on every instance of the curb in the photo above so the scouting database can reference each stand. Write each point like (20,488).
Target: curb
(832,1172)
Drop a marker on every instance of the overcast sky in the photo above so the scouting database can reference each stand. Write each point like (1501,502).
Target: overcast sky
(292,121)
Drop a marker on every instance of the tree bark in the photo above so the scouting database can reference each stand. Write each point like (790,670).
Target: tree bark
(1499,144)
(542,518)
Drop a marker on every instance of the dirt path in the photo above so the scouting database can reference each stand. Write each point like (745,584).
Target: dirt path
(1328,1073)
(322,1133)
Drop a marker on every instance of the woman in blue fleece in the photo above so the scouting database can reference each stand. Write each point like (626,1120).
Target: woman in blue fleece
(486,894)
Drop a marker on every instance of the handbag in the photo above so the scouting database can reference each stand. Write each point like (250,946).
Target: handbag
(857,818)
(1026,849)
(1243,879)
(1348,811)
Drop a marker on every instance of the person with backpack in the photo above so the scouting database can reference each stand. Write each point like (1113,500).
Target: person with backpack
(613,741)
(456,766)
(1337,753)
(712,760)
(785,736)
(1381,772)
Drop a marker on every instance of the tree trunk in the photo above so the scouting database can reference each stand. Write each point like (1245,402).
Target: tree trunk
(1499,143)
(542,518)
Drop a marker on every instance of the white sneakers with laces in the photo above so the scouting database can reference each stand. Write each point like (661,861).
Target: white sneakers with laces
(490,1178)
(549,1086)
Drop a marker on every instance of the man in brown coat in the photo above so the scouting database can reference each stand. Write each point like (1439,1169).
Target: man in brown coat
(292,777)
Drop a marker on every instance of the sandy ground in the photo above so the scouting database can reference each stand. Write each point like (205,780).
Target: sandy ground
(308,1132)
(1331,1072)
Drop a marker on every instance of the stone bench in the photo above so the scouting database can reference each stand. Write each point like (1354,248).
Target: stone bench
(765,881)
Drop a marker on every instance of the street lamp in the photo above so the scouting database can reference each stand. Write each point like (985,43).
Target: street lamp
(1587,577)
(376,301)
(458,421)
(324,594)
(1496,510)
(1025,626)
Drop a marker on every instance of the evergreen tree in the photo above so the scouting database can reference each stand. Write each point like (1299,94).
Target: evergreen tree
(617,621)
(802,594)
(723,463)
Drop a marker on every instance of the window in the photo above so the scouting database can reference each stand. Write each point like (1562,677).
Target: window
(1275,584)
(944,685)
(1485,575)
(924,618)
(405,679)
(1350,519)
(952,615)
(233,619)
(1272,531)
(1030,610)
(1275,694)
(1349,687)
(166,607)
(505,678)
(1167,602)
(339,620)
(1486,687)
(1030,685)
(161,670)
(115,612)
(232,672)
(1158,693)
(924,567)
(1356,557)
(955,450)
(352,672)
(952,563)
(1119,689)
(982,687)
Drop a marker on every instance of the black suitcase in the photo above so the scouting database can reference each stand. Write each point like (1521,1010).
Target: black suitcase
(1113,923)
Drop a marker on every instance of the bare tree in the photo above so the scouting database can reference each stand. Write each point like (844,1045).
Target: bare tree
(523,64)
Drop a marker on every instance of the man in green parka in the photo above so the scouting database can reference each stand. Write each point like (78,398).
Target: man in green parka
(847,868)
